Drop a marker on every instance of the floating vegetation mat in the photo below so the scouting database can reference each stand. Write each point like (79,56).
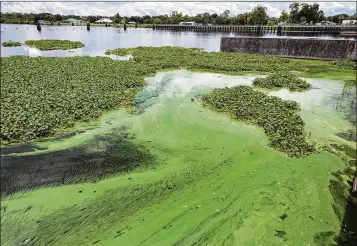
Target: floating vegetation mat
(282,80)
(344,64)
(278,117)
(39,95)
(176,57)
(53,44)
(11,44)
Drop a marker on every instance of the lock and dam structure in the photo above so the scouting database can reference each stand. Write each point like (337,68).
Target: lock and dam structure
(342,31)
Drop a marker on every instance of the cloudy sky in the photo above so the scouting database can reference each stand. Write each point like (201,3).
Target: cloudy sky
(157,8)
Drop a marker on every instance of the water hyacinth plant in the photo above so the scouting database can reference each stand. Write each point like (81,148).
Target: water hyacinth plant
(53,44)
(282,80)
(343,64)
(177,57)
(39,95)
(11,44)
(277,117)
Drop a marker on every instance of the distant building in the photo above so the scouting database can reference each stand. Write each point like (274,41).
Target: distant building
(325,23)
(104,20)
(132,22)
(41,21)
(187,24)
(282,23)
(349,22)
(72,20)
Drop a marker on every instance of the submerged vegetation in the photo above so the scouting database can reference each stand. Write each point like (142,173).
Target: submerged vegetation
(54,44)
(283,126)
(283,80)
(11,44)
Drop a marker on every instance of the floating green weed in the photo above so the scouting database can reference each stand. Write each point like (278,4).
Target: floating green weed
(282,79)
(344,64)
(53,44)
(40,95)
(11,44)
(177,57)
(283,126)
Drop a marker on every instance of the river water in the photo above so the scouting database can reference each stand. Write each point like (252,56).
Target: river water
(214,180)
(222,175)
(99,39)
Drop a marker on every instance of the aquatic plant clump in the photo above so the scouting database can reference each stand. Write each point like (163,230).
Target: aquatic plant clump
(54,44)
(11,44)
(278,118)
(177,57)
(40,95)
(344,64)
(282,80)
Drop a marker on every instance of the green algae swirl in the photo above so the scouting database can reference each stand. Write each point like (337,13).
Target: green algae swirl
(213,182)
(54,44)
(278,117)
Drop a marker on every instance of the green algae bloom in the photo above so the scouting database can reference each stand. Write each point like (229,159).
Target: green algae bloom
(206,179)
(283,126)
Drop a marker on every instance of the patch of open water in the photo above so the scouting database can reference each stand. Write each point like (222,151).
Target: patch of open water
(99,39)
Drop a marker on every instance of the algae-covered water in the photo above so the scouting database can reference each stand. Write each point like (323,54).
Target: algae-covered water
(201,178)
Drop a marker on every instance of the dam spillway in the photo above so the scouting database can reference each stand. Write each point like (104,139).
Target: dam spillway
(308,48)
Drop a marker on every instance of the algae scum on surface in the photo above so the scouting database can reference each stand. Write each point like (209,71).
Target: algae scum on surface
(192,176)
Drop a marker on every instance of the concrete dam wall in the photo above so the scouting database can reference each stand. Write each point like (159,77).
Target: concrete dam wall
(324,49)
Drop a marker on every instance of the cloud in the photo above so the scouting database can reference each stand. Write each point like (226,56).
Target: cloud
(156,8)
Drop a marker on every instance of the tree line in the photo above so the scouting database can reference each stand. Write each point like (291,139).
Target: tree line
(298,13)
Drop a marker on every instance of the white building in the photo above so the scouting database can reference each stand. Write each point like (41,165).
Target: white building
(349,22)
(187,24)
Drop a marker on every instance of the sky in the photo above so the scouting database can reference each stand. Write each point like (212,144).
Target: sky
(156,8)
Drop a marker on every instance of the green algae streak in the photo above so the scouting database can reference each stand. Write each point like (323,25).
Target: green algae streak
(215,181)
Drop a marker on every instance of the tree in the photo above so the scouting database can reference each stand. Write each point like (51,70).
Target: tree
(302,20)
(226,13)
(157,21)
(284,16)
(321,15)
(117,18)
(242,19)
(294,12)
(259,15)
